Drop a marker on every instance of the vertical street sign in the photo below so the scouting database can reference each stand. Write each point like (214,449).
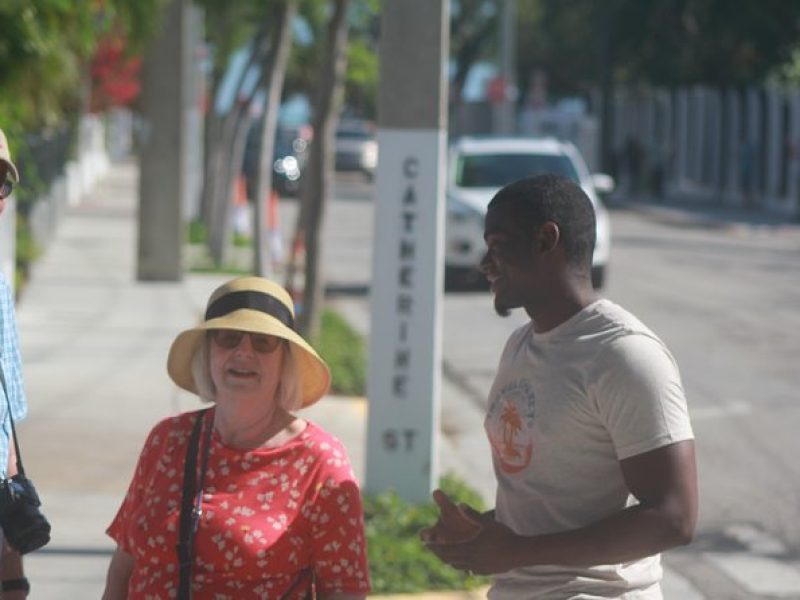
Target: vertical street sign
(404,380)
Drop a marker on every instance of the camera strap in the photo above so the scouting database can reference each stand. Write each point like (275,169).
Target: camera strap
(190,509)
(20,468)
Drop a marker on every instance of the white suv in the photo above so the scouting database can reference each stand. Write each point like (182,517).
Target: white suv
(479,167)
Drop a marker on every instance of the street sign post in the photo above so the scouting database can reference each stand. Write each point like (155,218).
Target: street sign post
(404,380)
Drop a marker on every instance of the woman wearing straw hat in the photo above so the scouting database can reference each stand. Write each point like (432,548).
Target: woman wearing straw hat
(258,502)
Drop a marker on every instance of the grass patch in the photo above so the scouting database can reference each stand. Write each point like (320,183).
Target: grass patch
(344,351)
(398,562)
(197,233)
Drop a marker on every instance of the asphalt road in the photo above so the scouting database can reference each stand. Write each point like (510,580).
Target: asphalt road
(723,291)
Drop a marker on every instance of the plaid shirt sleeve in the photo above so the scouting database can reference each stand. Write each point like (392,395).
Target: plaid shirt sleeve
(12,371)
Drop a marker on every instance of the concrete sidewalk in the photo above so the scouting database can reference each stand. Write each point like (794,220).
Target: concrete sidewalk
(94,344)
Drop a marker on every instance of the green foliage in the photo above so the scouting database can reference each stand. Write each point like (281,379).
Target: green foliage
(789,73)
(474,35)
(27,251)
(231,270)
(306,59)
(242,240)
(398,561)
(197,232)
(343,349)
(45,49)
(361,80)
(659,42)
(229,26)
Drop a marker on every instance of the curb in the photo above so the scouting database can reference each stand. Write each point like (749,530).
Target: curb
(479,594)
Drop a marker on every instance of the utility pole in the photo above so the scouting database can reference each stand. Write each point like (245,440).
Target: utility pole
(404,380)
(163,154)
(506,108)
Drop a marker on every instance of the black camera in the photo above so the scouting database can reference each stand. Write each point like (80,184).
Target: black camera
(23,524)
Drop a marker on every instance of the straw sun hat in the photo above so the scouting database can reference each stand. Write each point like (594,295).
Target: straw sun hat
(5,156)
(256,305)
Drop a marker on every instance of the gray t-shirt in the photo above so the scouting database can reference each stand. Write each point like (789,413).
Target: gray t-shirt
(566,406)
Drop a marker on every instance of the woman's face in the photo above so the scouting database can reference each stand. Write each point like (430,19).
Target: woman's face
(245,364)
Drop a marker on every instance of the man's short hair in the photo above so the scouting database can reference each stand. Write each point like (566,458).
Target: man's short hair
(536,200)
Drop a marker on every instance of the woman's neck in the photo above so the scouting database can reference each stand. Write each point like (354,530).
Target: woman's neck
(247,427)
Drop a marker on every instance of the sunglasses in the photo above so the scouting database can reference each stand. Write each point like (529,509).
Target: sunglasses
(6,188)
(231,338)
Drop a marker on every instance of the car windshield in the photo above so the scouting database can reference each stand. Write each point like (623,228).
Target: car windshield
(497,170)
(350,134)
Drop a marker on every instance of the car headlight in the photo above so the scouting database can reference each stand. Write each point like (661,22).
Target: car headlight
(289,167)
(459,211)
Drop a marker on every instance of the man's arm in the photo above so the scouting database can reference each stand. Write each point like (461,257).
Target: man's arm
(664,481)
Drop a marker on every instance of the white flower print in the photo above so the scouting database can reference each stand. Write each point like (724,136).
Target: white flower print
(245,511)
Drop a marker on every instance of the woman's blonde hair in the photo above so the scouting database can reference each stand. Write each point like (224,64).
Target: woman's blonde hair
(287,395)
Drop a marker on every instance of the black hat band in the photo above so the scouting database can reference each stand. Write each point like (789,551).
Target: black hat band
(253,300)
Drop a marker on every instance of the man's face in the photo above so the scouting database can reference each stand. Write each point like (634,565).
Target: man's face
(509,264)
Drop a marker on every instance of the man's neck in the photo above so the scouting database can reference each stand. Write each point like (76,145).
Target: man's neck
(564,303)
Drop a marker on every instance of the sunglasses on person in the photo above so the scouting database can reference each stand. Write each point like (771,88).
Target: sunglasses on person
(231,338)
(5,189)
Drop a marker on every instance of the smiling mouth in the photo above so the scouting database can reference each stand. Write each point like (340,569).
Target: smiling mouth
(238,373)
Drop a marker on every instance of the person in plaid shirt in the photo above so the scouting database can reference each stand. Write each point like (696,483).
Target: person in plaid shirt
(14,585)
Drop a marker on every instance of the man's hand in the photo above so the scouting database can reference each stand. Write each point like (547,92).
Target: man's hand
(469,540)
(455,524)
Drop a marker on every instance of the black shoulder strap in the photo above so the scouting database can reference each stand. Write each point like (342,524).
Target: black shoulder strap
(304,577)
(184,547)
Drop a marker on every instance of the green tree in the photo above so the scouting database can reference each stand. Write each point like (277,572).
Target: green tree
(658,42)
(473,36)
(252,27)
(317,188)
(45,49)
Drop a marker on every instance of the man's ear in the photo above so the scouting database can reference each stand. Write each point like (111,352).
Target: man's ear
(547,237)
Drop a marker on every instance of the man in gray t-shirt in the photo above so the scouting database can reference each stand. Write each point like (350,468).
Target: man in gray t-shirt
(587,420)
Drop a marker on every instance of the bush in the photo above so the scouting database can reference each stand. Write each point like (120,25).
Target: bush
(398,561)
(343,349)
(27,251)
(197,233)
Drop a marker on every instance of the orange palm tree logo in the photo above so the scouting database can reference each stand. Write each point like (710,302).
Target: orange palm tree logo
(512,424)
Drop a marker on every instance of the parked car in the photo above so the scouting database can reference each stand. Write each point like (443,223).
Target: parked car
(356,147)
(479,167)
(288,159)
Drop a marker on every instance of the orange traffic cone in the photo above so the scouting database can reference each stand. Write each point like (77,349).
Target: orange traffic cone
(273,228)
(297,272)
(239,191)
(239,197)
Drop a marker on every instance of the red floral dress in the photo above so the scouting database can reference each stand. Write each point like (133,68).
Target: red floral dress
(267,514)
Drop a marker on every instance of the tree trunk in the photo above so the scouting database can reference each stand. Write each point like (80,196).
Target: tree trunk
(225,152)
(232,141)
(275,67)
(213,163)
(606,56)
(320,167)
